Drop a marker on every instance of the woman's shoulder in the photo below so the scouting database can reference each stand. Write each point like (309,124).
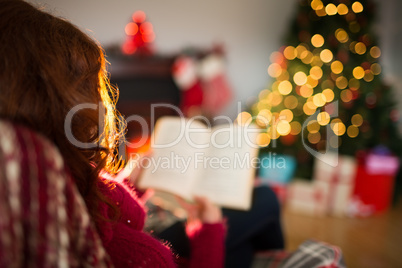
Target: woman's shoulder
(125,241)
(134,248)
(131,209)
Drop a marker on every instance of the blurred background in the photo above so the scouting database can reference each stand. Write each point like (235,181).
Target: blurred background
(249,30)
(228,52)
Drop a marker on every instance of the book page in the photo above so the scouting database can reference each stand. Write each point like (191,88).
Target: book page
(229,167)
(174,143)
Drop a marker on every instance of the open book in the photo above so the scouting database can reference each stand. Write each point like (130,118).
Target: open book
(189,159)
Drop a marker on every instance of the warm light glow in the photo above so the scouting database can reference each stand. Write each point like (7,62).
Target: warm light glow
(314,138)
(284,76)
(317,40)
(310,103)
(357,7)
(285,87)
(295,128)
(148,38)
(146,28)
(337,67)
(244,118)
(269,99)
(263,139)
(323,118)
(376,68)
(353,131)
(311,81)
(331,9)
(316,72)
(352,46)
(256,107)
(283,127)
(360,48)
(334,121)
(291,102)
(307,109)
(276,57)
(263,104)
(316,61)
(341,35)
(339,128)
(368,76)
(329,94)
(299,50)
(300,78)
(321,12)
(129,48)
(375,52)
(342,9)
(263,94)
(131,28)
(273,133)
(358,72)
(346,95)
(306,91)
(139,16)
(313,126)
(274,70)
(354,84)
(357,120)
(307,57)
(289,53)
(341,82)
(275,118)
(326,55)
(276,98)
(304,54)
(286,115)
(317,4)
(264,118)
(319,100)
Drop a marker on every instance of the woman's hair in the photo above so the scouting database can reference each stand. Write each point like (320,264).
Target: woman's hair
(47,67)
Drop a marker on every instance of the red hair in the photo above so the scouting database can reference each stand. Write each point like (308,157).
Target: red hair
(47,67)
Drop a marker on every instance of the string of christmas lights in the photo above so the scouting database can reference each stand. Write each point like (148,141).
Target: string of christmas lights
(337,63)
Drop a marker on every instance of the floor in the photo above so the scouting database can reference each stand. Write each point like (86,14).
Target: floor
(369,242)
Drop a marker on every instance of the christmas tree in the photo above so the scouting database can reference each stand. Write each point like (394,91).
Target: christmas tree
(140,35)
(327,76)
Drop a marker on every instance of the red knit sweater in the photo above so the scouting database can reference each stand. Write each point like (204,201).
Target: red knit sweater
(129,246)
(44,221)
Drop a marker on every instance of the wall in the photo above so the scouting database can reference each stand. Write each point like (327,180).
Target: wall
(250,29)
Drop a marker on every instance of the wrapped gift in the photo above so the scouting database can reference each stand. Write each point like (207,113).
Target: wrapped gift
(305,198)
(276,168)
(380,161)
(336,183)
(374,183)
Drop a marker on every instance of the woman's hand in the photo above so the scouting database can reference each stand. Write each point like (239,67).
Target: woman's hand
(202,209)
